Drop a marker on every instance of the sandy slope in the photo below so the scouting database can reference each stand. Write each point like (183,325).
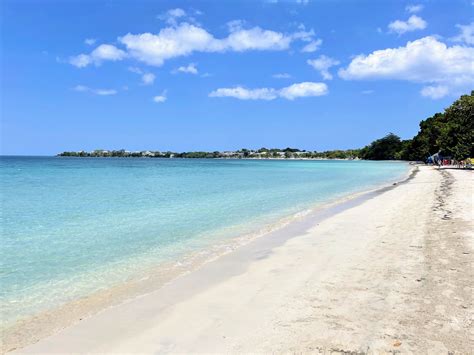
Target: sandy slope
(391,274)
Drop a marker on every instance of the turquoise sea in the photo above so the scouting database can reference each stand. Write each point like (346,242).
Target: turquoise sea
(72,226)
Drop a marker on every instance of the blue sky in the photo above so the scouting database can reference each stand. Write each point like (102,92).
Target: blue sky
(221,75)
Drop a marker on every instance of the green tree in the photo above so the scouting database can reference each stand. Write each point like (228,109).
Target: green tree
(450,133)
(386,148)
(456,133)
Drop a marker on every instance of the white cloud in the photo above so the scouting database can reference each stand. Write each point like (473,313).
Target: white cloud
(171,16)
(291,92)
(425,60)
(170,42)
(414,8)
(466,33)
(304,89)
(435,92)
(97,56)
(107,52)
(90,41)
(160,98)
(81,60)
(176,12)
(189,69)
(101,92)
(186,38)
(302,34)
(322,64)
(245,94)
(312,46)
(148,78)
(303,2)
(255,39)
(281,76)
(412,24)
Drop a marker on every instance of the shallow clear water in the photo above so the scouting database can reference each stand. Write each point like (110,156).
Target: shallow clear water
(72,226)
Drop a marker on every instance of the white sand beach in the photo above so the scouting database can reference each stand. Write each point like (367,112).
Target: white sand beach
(391,273)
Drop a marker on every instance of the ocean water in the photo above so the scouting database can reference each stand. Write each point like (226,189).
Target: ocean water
(72,226)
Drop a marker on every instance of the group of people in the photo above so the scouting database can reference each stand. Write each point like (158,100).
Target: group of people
(460,164)
(439,160)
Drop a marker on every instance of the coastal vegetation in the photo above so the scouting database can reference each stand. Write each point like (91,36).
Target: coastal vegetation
(450,133)
(386,148)
(262,153)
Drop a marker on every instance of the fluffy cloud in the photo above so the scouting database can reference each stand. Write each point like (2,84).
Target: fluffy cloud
(97,56)
(148,78)
(171,16)
(189,69)
(304,89)
(160,98)
(176,13)
(423,60)
(101,92)
(466,34)
(291,92)
(81,60)
(426,60)
(256,39)
(312,46)
(170,42)
(435,92)
(414,8)
(322,64)
(303,34)
(412,24)
(185,38)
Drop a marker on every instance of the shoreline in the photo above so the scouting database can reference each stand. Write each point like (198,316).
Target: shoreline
(391,273)
(29,330)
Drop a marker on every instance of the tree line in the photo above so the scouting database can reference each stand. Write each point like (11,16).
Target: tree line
(449,133)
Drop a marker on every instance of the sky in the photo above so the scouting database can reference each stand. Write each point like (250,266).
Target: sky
(225,75)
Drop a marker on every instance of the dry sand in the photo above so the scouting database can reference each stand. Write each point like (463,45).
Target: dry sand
(391,274)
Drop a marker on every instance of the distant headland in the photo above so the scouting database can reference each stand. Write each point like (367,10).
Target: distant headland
(262,153)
